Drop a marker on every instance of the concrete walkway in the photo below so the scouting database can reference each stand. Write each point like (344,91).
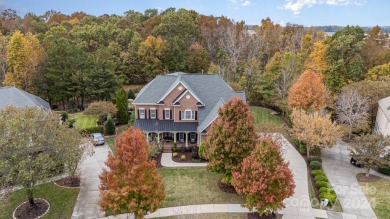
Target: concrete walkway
(166,161)
(342,176)
(87,202)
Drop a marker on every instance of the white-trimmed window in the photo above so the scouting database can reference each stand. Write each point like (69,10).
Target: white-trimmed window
(152,113)
(141,113)
(167,113)
(188,115)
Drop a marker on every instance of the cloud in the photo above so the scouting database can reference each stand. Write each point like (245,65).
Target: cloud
(242,3)
(295,6)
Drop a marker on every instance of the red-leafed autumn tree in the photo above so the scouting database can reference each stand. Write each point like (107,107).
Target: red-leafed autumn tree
(308,93)
(231,139)
(132,182)
(264,178)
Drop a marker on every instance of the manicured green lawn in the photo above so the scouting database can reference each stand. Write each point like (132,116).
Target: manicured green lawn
(378,196)
(193,186)
(83,121)
(61,201)
(264,115)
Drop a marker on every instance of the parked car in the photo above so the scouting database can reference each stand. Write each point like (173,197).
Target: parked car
(97,139)
(353,161)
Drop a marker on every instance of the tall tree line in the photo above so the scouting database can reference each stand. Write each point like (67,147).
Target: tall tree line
(71,59)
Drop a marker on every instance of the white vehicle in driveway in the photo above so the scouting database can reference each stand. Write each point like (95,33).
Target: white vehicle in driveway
(97,139)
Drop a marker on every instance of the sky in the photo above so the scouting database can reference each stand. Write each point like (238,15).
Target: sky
(305,12)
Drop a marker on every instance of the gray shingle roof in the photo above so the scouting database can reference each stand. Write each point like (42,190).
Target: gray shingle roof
(209,88)
(19,98)
(155,125)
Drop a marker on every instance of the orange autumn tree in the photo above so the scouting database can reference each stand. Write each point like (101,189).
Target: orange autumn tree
(231,139)
(308,92)
(264,178)
(132,182)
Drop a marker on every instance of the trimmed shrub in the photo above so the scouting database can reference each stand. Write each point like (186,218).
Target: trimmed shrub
(174,154)
(70,122)
(64,115)
(320,184)
(96,129)
(109,126)
(202,151)
(130,94)
(385,171)
(330,196)
(310,159)
(301,147)
(321,178)
(315,165)
(194,153)
(174,149)
(183,157)
(315,173)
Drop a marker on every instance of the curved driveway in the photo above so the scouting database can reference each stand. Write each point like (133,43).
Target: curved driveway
(342,176)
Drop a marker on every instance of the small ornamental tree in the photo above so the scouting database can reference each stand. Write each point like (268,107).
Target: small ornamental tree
(370,150)
(231,139)
(100,108)
(314,129)
(109,126)
(72,152)
(352,109)
(308,92)
(130,94)
(264,178)
(122,106)
(131,183)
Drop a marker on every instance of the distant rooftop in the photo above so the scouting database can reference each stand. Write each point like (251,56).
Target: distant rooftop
(12,96)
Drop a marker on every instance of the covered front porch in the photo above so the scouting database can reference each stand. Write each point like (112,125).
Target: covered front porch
(169,132)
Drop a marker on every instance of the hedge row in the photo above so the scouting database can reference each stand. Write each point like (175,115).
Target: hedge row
(321,181)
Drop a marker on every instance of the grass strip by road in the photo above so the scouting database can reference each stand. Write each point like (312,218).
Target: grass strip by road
(378,196)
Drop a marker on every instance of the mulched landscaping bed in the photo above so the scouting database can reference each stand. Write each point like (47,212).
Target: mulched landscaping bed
(24,211)
(188,158)
(71,182)
(361,177)
(255,215)
(226,188)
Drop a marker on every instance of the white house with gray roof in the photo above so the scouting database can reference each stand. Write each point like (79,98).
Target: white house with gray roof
(382,123)
(12,96)
(180,107)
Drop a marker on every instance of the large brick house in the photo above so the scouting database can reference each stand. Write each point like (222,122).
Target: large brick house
(180,107)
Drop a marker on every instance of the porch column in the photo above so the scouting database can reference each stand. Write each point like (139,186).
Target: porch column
(158,137)
(187,139)
(174,137)
(147,137)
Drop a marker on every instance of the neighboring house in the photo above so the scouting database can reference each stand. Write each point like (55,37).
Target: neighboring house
(382,123)
(12,96)
(180,107)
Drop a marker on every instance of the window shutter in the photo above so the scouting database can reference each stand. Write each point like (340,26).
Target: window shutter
(170,114)
(196,115)
(138,114)
(163,114)
(179,115)
(149,114)
(156,114)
